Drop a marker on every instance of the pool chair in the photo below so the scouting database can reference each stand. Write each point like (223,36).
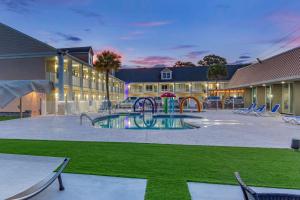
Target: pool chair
(259,109)
(272,113)
(250,108)
(250,194)
(296,120)
(291,119)
(43,184)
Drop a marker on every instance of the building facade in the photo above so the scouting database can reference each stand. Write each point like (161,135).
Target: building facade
(78,86)
(275,80)
(183,81)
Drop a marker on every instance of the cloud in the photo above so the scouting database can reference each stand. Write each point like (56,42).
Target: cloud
(151,23)
(17,6)
(240,61)
(195,54)
(88,14)
(69,37)
(153,60)
(132,35)
(183,46)
(285,20)
(244,57)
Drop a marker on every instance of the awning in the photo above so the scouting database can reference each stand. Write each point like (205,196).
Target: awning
(12,89)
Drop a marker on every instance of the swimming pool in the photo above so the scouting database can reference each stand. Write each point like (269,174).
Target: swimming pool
(146,121)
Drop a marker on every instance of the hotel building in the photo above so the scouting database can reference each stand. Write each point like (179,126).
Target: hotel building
(78,86)
(183,81)
(275,80)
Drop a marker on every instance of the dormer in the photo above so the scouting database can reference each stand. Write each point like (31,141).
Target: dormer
(166,74)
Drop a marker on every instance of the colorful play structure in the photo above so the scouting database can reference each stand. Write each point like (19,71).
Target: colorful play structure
(168,105)
(199,105)
(141,102)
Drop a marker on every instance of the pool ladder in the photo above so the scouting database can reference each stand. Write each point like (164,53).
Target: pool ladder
(86,116)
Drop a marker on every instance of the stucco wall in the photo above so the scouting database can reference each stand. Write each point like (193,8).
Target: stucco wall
(22,69)
(296,98)
(247,97)
(30,101)
(277,95)
(261,95)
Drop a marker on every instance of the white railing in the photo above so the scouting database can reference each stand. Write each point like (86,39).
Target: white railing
(51,76)
(86,83)
(66,78)
(76,81)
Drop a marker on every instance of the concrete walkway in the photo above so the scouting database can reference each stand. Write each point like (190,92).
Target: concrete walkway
(204,191)
(219,128)
(19,172)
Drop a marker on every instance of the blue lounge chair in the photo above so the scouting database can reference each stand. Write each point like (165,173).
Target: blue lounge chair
(291,119)
(272,113)
(259,111)
(245,110)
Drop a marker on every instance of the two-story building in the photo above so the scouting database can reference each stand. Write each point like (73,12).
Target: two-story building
(183,81)
(78,86)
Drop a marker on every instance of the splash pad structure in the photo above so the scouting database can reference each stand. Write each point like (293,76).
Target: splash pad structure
(169,103)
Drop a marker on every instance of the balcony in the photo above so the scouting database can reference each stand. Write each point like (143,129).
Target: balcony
(76,81)
(86,83)
(51,76)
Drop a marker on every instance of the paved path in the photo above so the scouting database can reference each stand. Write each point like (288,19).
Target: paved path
(221,128)
(204,191)
(19,172)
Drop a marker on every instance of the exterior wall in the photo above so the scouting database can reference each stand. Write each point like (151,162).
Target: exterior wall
(247,97)
(261,95)
(32,101)
(277,95)
(22,69)
(296,98)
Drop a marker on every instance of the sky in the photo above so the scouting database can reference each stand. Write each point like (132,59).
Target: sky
(149,33)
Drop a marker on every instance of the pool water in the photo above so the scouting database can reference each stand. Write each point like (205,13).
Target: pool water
(147,121)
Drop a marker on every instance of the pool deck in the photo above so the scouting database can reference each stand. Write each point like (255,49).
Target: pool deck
(219,128)
(15,179)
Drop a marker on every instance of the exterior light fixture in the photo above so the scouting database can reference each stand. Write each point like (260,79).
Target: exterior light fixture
(282,82)
(264,85)
(251,86)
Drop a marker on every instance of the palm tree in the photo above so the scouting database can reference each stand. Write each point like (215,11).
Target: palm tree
(107,61)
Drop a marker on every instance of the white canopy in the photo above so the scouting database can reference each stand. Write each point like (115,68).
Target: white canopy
(12,89)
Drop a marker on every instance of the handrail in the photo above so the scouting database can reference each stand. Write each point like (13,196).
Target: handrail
(42,185)
(88,117)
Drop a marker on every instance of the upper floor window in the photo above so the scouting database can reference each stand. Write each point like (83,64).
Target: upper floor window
(90,58)
(166,74)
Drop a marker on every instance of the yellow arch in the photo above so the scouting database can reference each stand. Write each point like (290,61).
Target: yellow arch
(199,105)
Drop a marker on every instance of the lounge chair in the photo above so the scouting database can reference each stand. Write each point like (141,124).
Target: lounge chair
(291,119)
(43,184)
(250,194)
(272,113)
(250,108)
(259,109)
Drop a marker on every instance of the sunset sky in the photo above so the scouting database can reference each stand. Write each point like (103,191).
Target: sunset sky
(155,32)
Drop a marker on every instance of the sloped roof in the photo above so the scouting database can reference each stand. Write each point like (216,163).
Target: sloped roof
(16,42)
(282,67)
(179,74)
(78,49)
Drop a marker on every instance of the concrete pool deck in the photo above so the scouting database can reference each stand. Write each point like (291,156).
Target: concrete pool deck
(19,172)
(205,191)
(218,128)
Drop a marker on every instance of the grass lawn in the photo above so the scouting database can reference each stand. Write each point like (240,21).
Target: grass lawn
(169,167)
(3,118)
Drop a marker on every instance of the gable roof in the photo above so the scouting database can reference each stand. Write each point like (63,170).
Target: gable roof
(14,42)
(71,50)
(281,67)
(179,74)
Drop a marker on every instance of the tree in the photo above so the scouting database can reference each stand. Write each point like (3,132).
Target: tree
(184,64)
(217,72)
(212,60)
(106,62)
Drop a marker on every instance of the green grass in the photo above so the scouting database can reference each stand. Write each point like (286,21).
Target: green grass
(169,167)
(3,118)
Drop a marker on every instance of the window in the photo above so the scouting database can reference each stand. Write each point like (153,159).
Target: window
(90,59)
(149,88)
(164,87)
(166,74)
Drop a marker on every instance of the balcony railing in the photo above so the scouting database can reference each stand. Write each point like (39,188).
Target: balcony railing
(76,81)
(51,76)
(86,83)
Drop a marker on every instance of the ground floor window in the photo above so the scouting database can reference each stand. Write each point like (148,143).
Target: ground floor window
(268,97)
(149,88)
(164,87)
(254,95)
